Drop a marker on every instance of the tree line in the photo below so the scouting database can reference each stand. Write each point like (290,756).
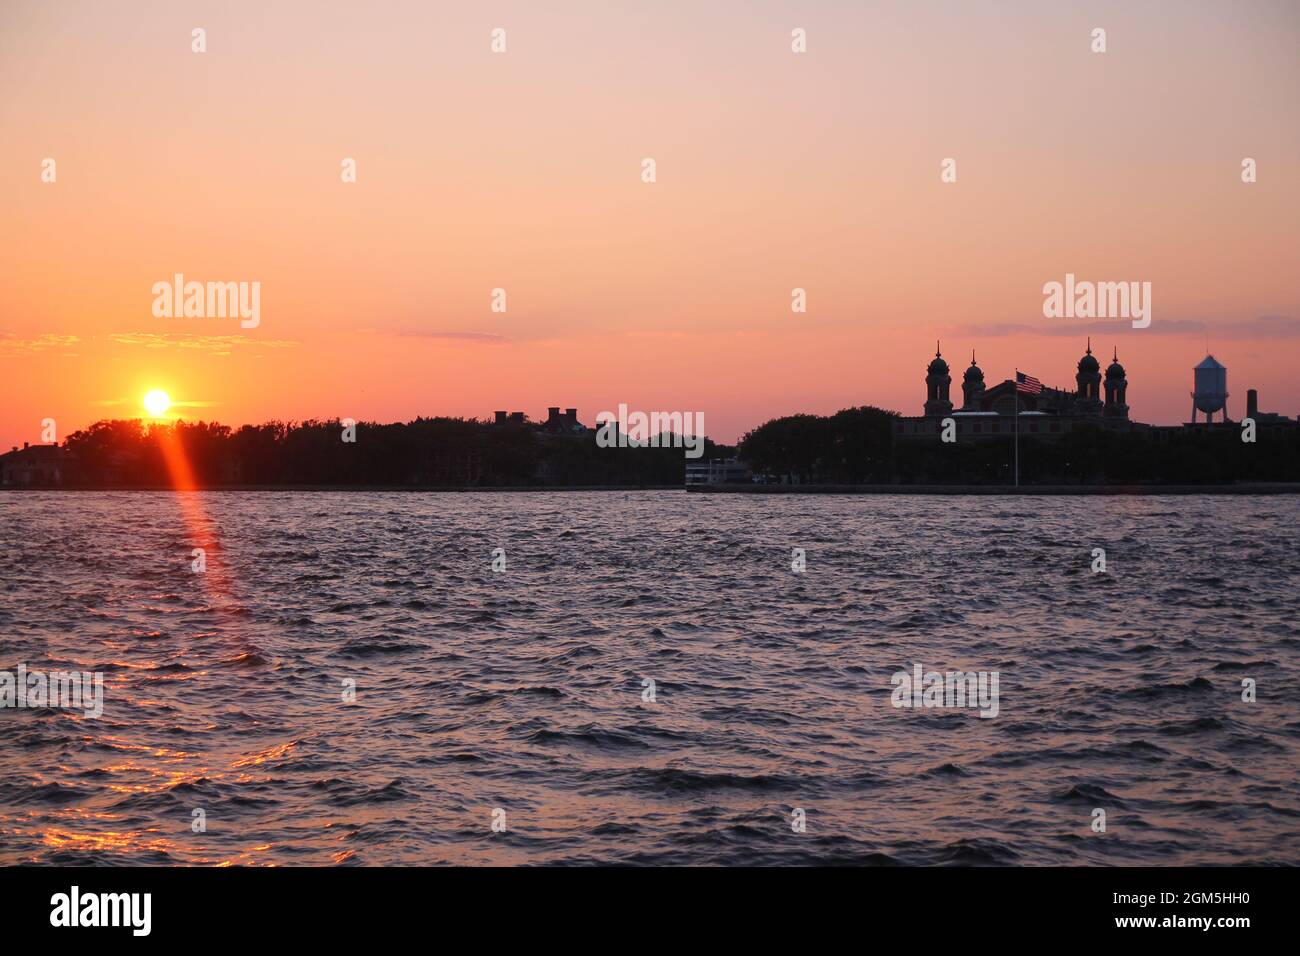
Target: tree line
(853,446)
(439,452)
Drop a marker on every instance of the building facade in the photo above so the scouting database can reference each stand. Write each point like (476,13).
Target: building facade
(718,471)
(1097,400)
(33,466)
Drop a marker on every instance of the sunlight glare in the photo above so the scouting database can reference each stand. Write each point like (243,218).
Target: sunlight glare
(156,403)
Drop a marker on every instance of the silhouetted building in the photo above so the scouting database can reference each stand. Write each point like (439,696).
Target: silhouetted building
(33,465)
(972,384)
(1116,389)
(989,411)
(453,468)
(718,471)
(1264,418)
(563,424)
(937,381)
(557,422)
(1097,401)
(1087,400)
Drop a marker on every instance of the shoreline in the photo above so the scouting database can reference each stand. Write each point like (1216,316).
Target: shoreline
(1244,488)
(426,489)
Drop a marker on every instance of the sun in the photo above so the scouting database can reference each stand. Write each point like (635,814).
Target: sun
(156,403)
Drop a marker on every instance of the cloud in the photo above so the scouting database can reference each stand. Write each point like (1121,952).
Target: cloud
(222,344)
(1277,326)
(1261,327)
(11,344)
(995,330)
(485,337)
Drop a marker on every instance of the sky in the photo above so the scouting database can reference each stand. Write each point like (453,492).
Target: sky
(523,171)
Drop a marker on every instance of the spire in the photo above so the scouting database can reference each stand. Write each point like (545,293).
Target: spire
(936,348)
(1090,345)
(1115,355)
(972,356)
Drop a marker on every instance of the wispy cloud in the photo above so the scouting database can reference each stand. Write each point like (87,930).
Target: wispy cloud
(210,343)
(11,344)
(1277,326)
(1261,327)
(486,337)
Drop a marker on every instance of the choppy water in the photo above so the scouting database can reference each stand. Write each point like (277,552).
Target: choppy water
(522,690)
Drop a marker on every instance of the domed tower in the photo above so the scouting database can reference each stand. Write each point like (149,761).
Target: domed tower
(1089,379)
(1116,389)
(972,384)
(937,381)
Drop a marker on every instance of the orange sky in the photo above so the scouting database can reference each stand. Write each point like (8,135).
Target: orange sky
(522,171)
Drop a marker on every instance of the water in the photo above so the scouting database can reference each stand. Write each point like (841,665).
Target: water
(522,690)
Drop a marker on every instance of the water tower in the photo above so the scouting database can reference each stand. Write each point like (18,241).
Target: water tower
(1211,394)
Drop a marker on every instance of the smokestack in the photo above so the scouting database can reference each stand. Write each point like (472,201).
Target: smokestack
(552,414)
(571,414)
(24,446)
(500,417)
(1252,403)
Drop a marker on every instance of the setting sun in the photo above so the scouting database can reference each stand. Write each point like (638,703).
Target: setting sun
(156,403)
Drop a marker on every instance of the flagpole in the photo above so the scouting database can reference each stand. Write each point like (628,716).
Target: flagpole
(1015,390)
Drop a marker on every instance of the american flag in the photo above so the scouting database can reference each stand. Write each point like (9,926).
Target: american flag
(1027,384)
